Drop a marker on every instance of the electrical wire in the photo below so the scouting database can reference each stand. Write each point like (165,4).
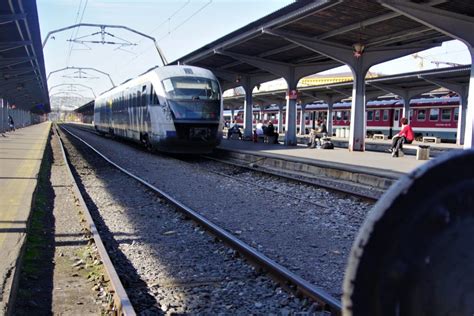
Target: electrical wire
(171,31)
(186,20)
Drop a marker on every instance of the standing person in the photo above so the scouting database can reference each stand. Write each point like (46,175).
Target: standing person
(258,132)
(405,136)
(11,123)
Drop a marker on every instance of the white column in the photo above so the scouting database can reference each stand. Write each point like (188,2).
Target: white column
(248,110)
(290,124)
(330,103)
(302,120)
(357,129)
(469,129)
(280,118)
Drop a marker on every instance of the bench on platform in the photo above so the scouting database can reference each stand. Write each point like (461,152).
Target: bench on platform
(379,136)
(431,139)
(270,139)
(422,151)
(234,136)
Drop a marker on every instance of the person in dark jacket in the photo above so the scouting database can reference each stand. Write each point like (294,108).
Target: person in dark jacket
(11,123)
(270,132)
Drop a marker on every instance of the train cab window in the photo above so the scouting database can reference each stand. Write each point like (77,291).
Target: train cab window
(377,115)
(456,114)
(385,115)
(446,114)
(434,114)
(421,115)
(191,88)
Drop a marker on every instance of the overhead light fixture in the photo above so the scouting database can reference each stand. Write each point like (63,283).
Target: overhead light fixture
(358,49)
(238,79)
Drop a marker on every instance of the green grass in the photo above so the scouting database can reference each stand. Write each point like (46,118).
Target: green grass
(36,240)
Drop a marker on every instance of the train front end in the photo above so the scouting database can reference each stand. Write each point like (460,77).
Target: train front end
(193,102)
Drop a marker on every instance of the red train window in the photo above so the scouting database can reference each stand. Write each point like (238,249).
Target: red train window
(377,115)
(446,114)
(434,114)
(370,115)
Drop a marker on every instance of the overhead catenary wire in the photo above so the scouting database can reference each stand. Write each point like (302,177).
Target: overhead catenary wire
(133,59)
(75,32)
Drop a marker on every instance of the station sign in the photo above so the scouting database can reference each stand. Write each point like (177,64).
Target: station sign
(292,94)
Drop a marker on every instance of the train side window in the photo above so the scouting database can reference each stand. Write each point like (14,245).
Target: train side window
(153,97)
(385,115)
(421,115)
(434,114)
(370,115)
(446,114)
(411,114)
(144,96)
(345,115)
(338,115)
(456,114)
(377,115)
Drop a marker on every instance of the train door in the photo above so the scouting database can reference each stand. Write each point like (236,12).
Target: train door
(396,118)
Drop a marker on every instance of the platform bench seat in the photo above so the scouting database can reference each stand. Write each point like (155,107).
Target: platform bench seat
(422,151)
(234,136)
(269,139)
(379,136)
(431,139)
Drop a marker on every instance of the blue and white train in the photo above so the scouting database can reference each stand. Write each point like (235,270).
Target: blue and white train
(174,109)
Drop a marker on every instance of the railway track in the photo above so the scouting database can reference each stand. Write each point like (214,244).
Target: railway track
(363,192)
(121,302)
(327,184)
(264,263)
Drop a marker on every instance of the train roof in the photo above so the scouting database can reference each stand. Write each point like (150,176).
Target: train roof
(373,104)
(163,73)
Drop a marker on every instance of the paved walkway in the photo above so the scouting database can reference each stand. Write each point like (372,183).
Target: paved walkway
(21,153)
(371,159)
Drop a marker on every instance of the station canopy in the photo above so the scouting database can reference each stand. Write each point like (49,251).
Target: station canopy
(22,72)
(261,49)
(420,81)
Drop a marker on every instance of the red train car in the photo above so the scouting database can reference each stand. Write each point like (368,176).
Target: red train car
(428,116)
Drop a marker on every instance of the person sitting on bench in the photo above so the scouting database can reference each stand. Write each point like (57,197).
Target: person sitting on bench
(234,129)
(405,136)
(270,132)
(316,134)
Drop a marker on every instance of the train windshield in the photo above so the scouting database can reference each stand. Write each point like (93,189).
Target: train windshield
(193,98)
(191,88)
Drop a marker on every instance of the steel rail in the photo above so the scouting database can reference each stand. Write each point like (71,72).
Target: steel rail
(273,268)
(329,186)
(121,300)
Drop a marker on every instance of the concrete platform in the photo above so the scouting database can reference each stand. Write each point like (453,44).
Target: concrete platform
(21,153)
(374,162)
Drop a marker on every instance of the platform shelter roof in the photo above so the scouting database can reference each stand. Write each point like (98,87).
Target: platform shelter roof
(86,109)
(423,81)
(251,50)
(22,72)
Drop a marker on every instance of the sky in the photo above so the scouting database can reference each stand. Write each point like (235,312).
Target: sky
(180,27)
